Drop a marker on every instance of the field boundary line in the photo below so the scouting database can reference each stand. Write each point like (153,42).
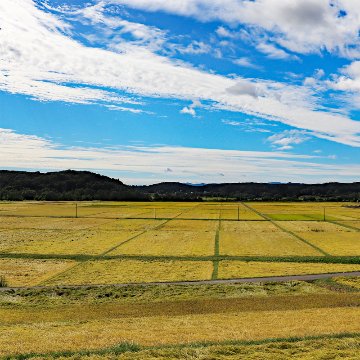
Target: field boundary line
(157,227)
(260,279)
(288,231)
(98,257)
(343,225)
(354,260)
(215,272)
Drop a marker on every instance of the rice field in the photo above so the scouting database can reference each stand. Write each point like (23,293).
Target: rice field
(238,269)
(172,321)
(114,242)
(132,271)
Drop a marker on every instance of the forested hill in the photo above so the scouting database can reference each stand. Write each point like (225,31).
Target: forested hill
(84,185)
(64,185)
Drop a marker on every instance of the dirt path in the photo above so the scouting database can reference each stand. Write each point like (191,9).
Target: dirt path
(309,277)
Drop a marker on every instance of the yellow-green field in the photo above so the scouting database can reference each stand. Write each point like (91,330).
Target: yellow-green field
(84,267)
(112,242)
(149,322)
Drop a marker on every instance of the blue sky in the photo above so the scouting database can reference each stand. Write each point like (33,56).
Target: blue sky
(182,90)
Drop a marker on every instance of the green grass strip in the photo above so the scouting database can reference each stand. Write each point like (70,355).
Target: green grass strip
(296,259)
(135,348)
(215,272)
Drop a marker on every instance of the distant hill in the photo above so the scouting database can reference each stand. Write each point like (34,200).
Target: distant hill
(258,191)
(64,185)
(85,185)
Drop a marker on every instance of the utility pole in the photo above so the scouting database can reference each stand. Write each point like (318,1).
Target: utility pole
(154,213)
(76,210)
(238,212)
(324,213)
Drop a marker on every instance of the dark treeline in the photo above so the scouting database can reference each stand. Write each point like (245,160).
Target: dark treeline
(64,185)
(84,185)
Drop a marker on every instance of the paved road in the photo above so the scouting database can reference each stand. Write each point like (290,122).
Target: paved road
(208,282)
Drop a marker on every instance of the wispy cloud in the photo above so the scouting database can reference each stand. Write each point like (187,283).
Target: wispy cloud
(334,24)
(42,60)
(159,163)
(287,139)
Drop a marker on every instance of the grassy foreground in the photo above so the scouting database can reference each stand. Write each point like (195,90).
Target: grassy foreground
(186,322)
(337,346)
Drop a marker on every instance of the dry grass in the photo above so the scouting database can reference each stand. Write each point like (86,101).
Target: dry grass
(312,349)
(171,243)
(156,330)
(21,272)
(118,310)
(135,271)
(241,269)
(352,282)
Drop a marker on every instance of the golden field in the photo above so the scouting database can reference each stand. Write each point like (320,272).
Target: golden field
(327,347)
(30,272)
(159,330)
(249,238)
(169,243)
(133,271)
(242,269)
(121,237)
(46,320)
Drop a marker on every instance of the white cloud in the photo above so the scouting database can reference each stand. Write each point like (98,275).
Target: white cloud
(245,88)
(195,47)
(303,26)
(245,62)
(288,138)
(39,59)
(186,164)
(273,52)
(191,109)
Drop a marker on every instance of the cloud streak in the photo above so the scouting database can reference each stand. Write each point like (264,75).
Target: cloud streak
(152,162)
(39,58)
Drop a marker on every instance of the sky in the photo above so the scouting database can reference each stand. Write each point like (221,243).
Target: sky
(197,91)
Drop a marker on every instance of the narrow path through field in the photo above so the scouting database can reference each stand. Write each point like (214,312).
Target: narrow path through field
(309,277)
(287,231)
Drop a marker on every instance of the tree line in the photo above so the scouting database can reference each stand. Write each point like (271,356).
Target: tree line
(84,185)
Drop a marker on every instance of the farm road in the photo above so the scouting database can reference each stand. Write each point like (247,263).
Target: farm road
(286,278)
